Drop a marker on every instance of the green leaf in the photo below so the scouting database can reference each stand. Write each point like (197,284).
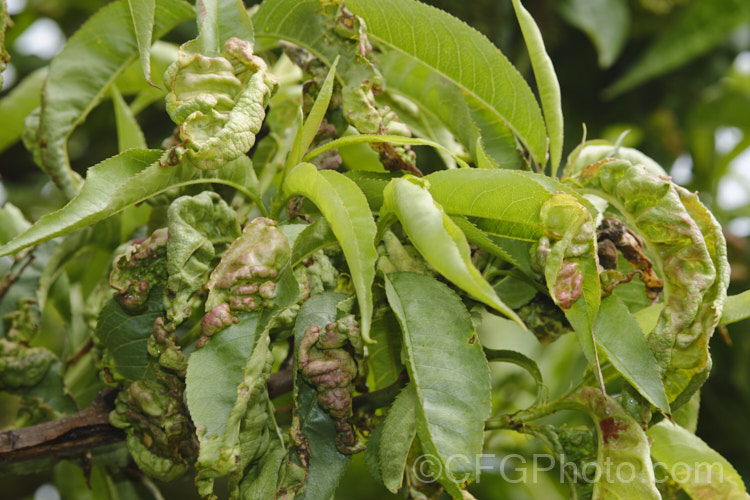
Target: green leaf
(126,180)
(307,23)
(449,372)
(462,58)
(124,337)
(385,354)
(372,138)
(617,332)
(606,23)
(216,369)
(736,308)
(514,291)
(142,13)
(372,185)
(17,104)
(624,464)
(347,212)
(372,452)
(481,132)
(314,118)
(399,429)
(130,81)
(12,222)
(129,133)
(437,238)
(218,21)
(702,26)
(312,238)
(327,464)
(523,361)
(510,201)
(700,471)
(513,251)
(546,82)
(93,52)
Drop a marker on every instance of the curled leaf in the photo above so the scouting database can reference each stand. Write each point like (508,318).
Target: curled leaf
(218,103)
(689,253)
(622,446)
(198,225)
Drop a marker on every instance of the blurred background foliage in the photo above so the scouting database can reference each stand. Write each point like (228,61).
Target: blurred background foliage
(675,73)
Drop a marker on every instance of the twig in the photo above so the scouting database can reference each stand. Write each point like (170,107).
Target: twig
(11,278)
(67,436)
(87,428)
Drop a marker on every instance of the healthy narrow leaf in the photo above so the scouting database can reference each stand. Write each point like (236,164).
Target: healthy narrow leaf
(617,332)
(736,308)
(511,199)
(314,118)
(437,238)
(449,372)
(347,212)
(481,132)
(461,56)
(142,13)
(372,452)
(399,429)
(546,82)
(93,51)
(702,26)
(372,185)
(129,133)
(385,354)
(126,180)
(131,81)
(517,359)
(606,23)
(515,252)
(17,104)
(698,469)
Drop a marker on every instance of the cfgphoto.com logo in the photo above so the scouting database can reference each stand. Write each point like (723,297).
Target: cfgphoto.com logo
(516,468)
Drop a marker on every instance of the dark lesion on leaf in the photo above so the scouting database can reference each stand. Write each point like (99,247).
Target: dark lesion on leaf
(613,235)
